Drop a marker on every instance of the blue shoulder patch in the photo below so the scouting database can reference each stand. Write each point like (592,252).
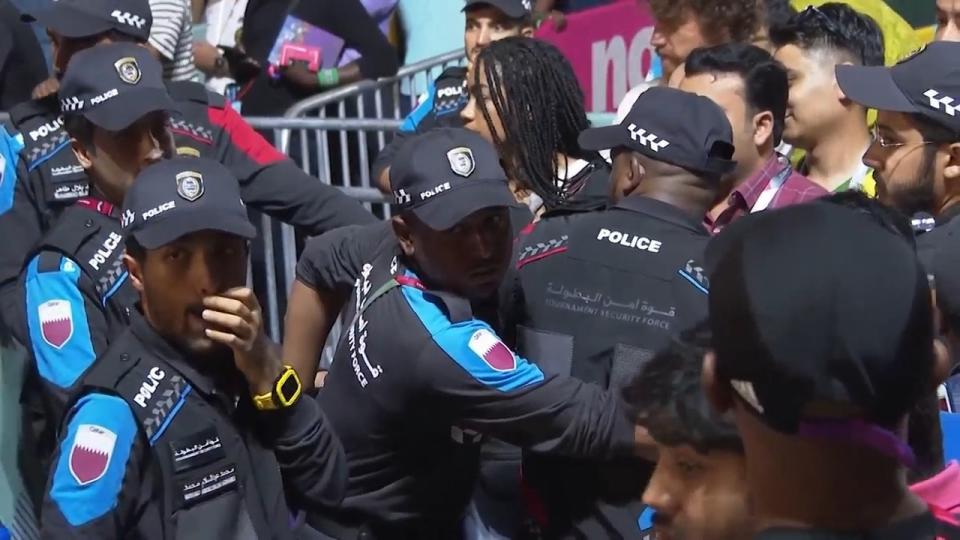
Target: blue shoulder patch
(413,119)
(88,475)
(57,321)
(474,346)
(10,147)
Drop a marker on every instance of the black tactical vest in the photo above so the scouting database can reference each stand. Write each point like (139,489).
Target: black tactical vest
(89,233)
(196,450)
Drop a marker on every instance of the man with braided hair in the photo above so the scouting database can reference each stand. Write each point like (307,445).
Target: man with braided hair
(486,22)
(525,99)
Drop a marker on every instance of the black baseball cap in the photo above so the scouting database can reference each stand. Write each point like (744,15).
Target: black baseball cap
(946,271)
(822,323)
(446,174)
(515,9)
(85,18)
(176,197)
(114,85)
(672,126)
(927,83)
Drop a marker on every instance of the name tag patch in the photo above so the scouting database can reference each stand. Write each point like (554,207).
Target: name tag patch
(210,484)
(196,450)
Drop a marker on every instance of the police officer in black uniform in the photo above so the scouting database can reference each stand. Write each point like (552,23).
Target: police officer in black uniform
(486,21)
(76,273)
(597,294)
(916,151)
(189,426)
(75,293)
(205,125)
(417,379)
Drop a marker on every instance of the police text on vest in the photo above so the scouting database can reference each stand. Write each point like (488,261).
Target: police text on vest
(630,240)
(149,386)
(105,251)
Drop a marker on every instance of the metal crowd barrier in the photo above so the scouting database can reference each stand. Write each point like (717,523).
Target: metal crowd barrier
(335,136)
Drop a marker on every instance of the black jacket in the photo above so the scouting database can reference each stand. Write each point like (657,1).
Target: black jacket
(155,448)
(596,295)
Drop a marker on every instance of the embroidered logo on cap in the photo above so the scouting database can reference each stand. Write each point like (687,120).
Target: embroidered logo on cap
(128,69)
(190,185)
(71,104)
(946,101)
(461,161)
(647,139)
(402,196)
(91,452)
(127,218)
(129,19)
(492,350)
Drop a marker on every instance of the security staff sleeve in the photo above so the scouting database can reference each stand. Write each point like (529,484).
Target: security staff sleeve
(311,458)
(423,111)
(425,117)
(64,325)
(496,392)
(275,185)
(409,127)
(99,485)
(22,223)
(334,260)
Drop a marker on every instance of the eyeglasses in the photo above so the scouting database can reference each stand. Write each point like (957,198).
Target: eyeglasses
(878,138)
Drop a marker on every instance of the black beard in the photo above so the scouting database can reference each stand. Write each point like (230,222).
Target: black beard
(918,197)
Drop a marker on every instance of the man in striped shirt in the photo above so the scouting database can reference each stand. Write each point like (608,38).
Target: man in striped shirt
(171,36)
(752,89)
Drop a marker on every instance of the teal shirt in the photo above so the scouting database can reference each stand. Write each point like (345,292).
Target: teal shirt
(432,28)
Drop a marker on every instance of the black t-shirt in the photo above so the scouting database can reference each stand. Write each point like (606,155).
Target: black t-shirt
(416,378)
(22,65)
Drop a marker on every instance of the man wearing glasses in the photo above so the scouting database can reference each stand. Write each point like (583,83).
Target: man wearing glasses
(916,148)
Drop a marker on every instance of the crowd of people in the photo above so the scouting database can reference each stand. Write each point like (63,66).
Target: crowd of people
(731,314)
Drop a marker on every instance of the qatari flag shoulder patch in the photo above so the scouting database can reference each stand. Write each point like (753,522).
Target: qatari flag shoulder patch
(91,452)
(489,347)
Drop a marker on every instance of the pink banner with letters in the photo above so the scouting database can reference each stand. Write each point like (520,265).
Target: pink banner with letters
(609,47)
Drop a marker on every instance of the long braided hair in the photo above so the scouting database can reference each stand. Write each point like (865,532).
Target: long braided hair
(540,104)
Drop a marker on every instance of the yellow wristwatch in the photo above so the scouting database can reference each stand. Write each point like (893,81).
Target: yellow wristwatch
(286,391)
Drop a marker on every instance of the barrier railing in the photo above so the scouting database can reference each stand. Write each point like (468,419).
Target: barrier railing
(335,136)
